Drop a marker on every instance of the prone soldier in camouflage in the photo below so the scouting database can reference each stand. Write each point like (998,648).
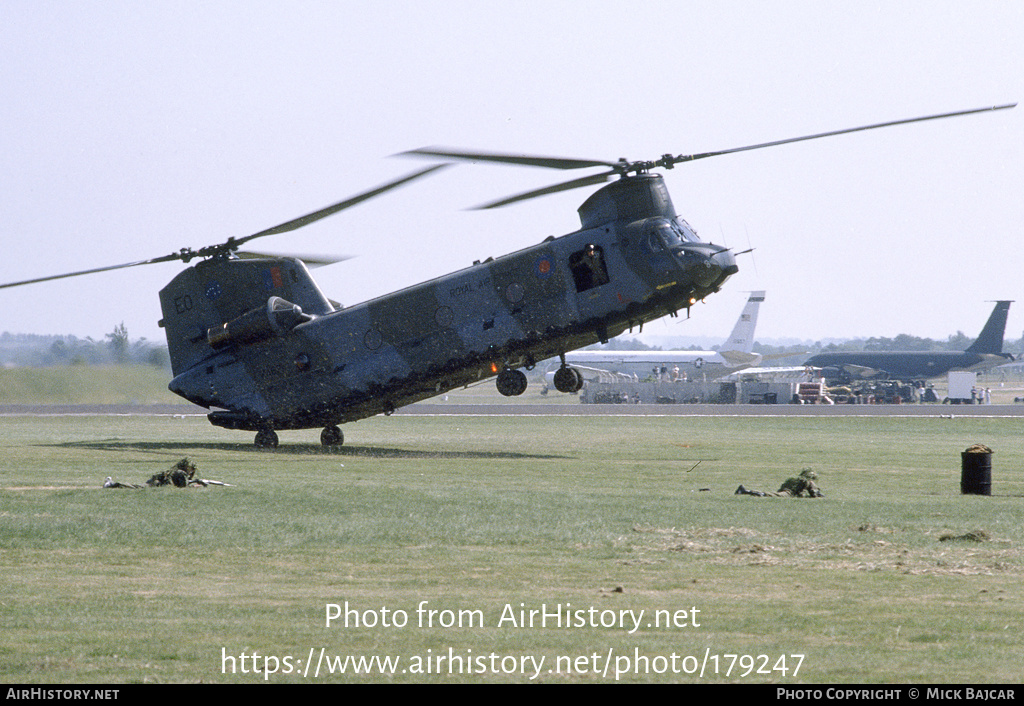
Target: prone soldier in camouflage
(804,485)
(179,475)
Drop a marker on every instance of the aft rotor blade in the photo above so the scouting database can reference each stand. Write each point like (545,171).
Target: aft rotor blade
(301,221)
(186,254)
(692,157)
(555,188)
(165,258)
(504,158)
(310,260)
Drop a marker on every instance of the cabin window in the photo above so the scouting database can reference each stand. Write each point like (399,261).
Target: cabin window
(373,339)
(588,268)
(444,316)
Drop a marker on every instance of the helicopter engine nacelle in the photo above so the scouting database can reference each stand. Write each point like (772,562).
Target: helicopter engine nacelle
(276,318)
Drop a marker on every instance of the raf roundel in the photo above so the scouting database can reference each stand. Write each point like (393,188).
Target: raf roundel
(544,267)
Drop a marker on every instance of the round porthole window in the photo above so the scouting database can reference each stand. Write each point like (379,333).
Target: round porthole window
(373,339)
(444,317)
(514,292)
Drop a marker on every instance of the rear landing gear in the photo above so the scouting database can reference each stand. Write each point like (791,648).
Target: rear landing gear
(332,436)
(329,437)
(266,439)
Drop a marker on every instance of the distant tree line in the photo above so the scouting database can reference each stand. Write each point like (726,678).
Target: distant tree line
(32,350)
(623,344)
(116,348)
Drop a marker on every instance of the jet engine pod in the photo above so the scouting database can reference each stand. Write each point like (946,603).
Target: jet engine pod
(277,318)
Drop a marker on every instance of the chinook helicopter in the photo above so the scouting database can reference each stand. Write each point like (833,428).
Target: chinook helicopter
(253,338)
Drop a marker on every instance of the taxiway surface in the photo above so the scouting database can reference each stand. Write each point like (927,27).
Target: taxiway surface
(623,410)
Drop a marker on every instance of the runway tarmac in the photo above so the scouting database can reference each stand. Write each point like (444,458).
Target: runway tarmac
(723,410)
(623,410)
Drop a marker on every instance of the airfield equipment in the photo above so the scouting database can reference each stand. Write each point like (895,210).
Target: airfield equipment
(259,343)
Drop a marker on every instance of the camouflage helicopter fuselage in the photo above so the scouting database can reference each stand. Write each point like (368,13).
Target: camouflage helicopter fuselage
(259,340)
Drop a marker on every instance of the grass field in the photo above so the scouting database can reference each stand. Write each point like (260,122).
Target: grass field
(892,577)
(86,384)
(146,384)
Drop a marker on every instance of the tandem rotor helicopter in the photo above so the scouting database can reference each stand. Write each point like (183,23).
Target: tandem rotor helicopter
(254,339)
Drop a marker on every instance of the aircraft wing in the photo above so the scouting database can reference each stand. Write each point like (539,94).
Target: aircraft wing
(777,356)
(599,375)
(739,359)
(861,371)
(594,375)
(992,360)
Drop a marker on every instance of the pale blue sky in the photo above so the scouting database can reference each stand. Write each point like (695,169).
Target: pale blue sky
(133,129)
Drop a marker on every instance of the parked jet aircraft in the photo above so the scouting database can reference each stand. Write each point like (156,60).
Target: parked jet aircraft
(592,364)
(984,353)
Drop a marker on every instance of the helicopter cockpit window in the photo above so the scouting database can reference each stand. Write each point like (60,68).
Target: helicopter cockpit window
(685,231)
(671,235)
(664,237)
(588,268)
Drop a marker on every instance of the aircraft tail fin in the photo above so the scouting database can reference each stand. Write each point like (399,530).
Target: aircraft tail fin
(991,338)
(742,337)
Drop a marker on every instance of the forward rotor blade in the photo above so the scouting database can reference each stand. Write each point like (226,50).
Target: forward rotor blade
(503,158)
(692,157)
(565,186)
(165,258)
(301,221)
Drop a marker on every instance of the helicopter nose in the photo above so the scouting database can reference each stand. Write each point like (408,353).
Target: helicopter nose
(726,263)
(713,267)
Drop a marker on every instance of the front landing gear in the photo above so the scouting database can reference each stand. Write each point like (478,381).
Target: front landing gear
(568,379)
(332,436)
(511,382)
(266,439)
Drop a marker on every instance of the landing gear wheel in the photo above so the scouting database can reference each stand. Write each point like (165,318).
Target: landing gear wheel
(332,436)
(266,439)
(511,382)
(568,380)
(579,380)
